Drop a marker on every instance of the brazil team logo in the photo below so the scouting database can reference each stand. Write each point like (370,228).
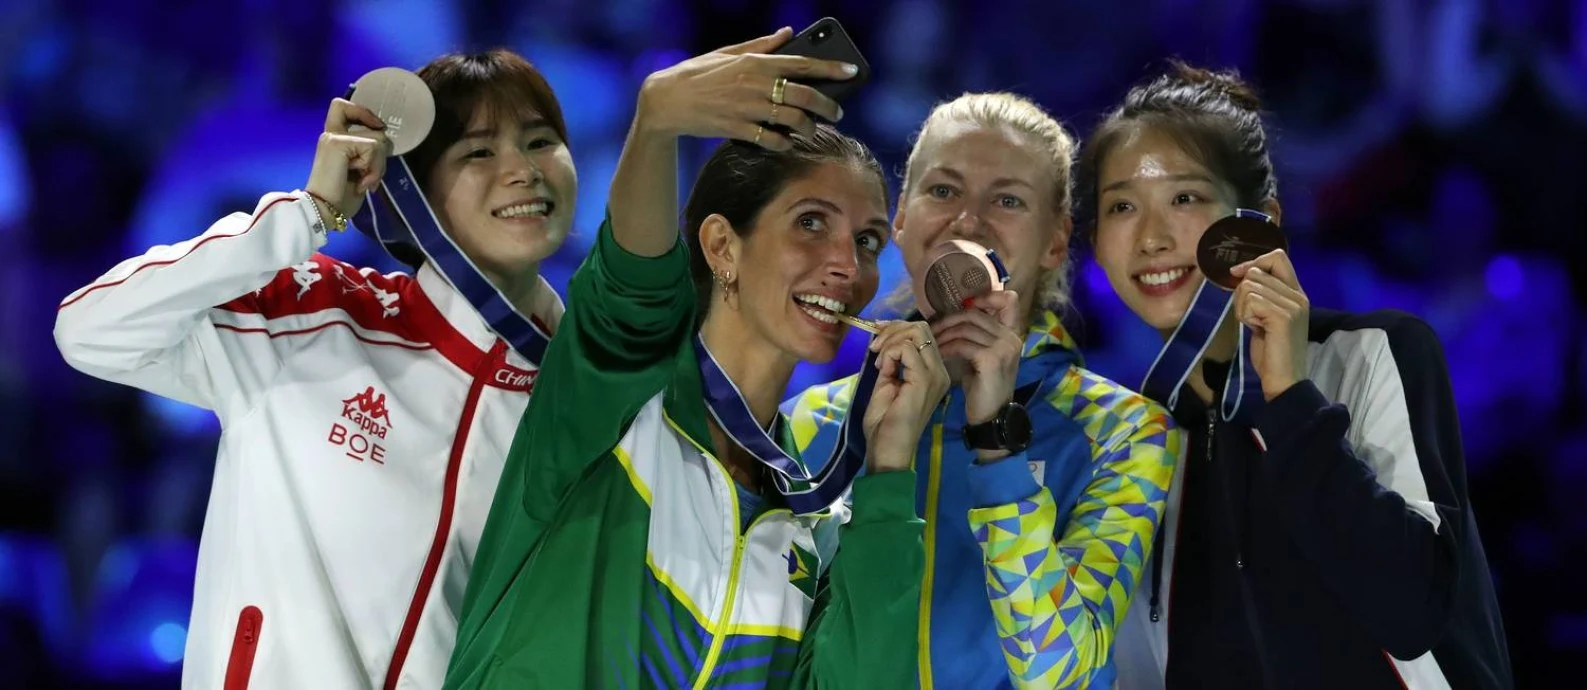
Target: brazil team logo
(802,568)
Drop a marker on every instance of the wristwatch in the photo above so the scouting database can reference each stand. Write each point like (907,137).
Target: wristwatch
(1009,430)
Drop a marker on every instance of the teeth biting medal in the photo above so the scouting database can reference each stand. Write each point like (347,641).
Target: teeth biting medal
(813,304)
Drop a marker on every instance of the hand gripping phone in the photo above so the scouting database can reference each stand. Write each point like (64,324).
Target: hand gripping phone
(826,40)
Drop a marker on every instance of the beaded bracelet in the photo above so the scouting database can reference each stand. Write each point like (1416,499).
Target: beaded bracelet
(336,214)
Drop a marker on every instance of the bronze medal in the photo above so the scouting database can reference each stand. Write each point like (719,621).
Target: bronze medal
(959,272)
(1234,240)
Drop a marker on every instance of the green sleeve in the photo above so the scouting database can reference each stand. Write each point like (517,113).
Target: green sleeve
(864,627)
(627,320)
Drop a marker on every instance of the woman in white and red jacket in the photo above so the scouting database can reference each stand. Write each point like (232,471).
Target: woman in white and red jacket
(1319,533)
(364,416)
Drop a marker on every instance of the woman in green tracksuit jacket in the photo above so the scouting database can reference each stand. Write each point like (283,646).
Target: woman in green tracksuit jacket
(644,533)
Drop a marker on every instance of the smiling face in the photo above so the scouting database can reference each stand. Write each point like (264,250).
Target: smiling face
(1154,201)
(991,185)
(812,250)
(505,193)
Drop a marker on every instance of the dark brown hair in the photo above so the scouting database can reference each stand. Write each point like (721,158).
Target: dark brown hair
(500,81)
(741,178)
(1214,116)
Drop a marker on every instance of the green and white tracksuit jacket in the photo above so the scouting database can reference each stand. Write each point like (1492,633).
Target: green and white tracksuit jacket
(615,555)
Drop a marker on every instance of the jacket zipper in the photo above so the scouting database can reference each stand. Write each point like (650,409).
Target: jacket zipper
(1239,542)
(443,528)
(243,647)
(723,624)
(1237,529)
(933,488)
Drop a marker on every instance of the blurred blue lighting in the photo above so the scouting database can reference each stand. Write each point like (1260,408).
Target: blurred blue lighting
(390,24)
(139,609)
(655,60)
(168,641)
(16,186)
(181,419)
(210,171)
(1096,279)
(1504,277)
(117,569)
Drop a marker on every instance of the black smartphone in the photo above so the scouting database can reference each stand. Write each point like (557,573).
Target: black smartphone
(826,40)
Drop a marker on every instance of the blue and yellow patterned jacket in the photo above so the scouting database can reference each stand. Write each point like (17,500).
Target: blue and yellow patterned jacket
(1101,457)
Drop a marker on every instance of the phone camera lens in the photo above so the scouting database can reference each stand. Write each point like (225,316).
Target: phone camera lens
(821,35)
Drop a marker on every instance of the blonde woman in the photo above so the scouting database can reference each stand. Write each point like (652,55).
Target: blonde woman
(1041,483)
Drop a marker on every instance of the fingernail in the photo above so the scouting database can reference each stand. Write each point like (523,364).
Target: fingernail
(967,303)
(851,69)
(840,112)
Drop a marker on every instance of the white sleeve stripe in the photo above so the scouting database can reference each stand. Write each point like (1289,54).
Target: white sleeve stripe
(1357,368)
(180,251)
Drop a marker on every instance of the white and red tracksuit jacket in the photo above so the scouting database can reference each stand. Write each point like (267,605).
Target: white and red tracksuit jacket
(364,422)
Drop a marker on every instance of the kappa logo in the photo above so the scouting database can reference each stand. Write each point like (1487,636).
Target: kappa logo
(368,411)
(388,300)
(305,276)
(370,420)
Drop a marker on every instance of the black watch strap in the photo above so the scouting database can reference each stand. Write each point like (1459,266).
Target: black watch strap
(982,436)
(1009,430)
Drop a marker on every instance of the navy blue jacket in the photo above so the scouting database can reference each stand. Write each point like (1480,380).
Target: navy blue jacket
(1345,554)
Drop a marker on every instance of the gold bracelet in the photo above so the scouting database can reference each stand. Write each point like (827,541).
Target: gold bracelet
(337,216)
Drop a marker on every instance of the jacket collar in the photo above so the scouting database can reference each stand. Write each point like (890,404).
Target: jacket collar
(548,309)
(1049,349)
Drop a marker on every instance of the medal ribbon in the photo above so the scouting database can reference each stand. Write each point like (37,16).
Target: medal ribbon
(1242,391)
(408,220)
(805,492)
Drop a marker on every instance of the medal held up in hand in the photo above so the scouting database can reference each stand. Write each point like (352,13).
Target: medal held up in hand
(958,271)
(401,100)
(1229,242)
(398,216)
(1234,240)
